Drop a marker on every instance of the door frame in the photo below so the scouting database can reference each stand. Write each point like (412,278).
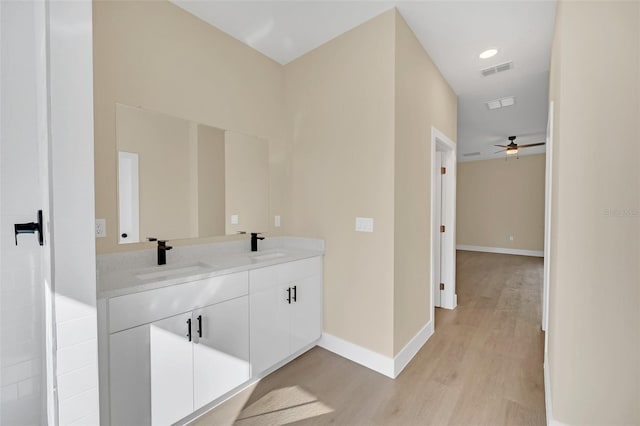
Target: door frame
(547,222)
(440,142)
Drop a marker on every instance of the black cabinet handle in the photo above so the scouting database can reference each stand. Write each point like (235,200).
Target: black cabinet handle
(295,292)
(189,329)
(200,326)
(289,295)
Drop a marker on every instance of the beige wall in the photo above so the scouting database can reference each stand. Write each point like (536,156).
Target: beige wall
(340,109)
(497,199)
(247,182)
(360,111)
(155,55)
(211,180)
(349,128)
(423,99)
(594,315)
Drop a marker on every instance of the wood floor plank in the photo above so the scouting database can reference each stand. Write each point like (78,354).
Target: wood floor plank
(482,366)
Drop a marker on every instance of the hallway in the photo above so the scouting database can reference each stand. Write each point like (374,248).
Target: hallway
(483,365)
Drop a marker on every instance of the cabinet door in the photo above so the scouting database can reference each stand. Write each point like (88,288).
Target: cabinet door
(130,377)
(221,355)
(269,322)
(171,357)
(306,312)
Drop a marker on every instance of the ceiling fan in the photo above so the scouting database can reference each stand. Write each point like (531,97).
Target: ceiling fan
(513,147)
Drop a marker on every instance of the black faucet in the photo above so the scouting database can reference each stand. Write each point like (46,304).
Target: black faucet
(162,250)
(254,240)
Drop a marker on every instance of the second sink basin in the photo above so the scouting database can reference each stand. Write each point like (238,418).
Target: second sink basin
(168,272)
(268,256)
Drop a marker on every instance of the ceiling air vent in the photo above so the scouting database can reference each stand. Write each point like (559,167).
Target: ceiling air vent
(488,71)
(500,103)
(471,154)
(497,68)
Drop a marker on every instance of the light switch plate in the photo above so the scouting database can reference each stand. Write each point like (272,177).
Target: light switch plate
(101,228)
(234,219)
(277,221)
(364,224)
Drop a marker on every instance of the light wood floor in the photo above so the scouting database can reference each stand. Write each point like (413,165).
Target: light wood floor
(482,366)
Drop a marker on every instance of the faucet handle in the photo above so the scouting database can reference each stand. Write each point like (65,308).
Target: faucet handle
(152,239)
(163,244)
(241,232)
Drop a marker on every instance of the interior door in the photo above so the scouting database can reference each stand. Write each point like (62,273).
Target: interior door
(171,357)
(25,266)
(437,263)
(221,349)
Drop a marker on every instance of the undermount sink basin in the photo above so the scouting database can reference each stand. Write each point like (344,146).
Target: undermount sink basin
(167,272)
(268,256)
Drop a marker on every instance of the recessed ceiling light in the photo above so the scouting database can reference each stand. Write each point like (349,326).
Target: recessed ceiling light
(490,53)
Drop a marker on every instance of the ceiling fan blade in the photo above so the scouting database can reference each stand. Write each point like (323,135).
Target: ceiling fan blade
(502,146)
(498,152)
(531,144)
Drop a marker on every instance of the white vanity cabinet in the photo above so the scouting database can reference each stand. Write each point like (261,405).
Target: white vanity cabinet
(162,371)
(285,311)
(168,351)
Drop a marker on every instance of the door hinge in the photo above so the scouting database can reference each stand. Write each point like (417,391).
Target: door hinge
(442,228)
(441,286)
(443,170)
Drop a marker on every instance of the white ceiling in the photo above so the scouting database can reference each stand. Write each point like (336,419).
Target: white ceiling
(452,32)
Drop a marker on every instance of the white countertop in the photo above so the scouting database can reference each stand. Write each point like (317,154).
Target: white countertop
(126,273)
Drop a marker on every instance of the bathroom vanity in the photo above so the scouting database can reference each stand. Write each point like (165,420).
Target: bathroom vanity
(176,340)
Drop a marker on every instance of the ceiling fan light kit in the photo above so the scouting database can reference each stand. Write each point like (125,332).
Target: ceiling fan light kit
(513,147)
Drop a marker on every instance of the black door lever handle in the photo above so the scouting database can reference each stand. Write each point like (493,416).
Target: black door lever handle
(30,228)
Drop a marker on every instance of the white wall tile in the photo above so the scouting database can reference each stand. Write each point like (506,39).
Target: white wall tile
(77,331)
(92,419)
(9,393)
(74,409)
(29,388)
(68,309)
(77,382)
(22,371)
(78,356)
(71,122)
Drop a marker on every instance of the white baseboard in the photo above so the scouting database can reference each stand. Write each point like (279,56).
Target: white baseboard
(547,396)
(390,367)
(502,250)
(363,356)
(411,349)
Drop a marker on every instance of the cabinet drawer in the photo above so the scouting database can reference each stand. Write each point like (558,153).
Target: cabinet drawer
(148,306)
(270,276)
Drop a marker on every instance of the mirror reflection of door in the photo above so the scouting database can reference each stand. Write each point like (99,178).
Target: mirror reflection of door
(128,189)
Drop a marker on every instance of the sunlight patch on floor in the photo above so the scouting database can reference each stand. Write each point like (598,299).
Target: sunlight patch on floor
(283,406)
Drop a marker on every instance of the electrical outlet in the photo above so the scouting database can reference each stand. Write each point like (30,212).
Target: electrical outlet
(101,228)
(277,221)
(510,237)
(234,219)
